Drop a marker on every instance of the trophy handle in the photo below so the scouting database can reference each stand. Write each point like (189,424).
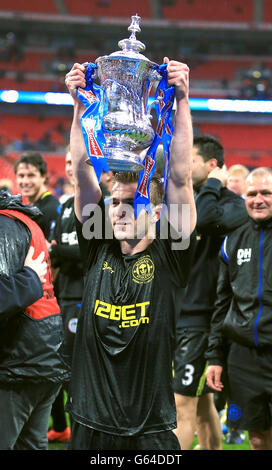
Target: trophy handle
(156,101)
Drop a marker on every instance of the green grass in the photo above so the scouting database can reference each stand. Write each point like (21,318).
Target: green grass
(56,446)
(244,446)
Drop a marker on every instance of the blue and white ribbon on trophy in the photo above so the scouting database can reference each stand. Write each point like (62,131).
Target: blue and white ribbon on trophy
(164,101)
(94,99)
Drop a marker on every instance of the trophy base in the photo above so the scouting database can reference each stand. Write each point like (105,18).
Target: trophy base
(123,160)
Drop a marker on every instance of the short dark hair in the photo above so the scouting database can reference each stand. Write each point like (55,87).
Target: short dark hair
(32,158)
(210,147)
(156,187)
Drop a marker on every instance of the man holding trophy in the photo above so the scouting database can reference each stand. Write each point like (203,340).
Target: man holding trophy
(121,395)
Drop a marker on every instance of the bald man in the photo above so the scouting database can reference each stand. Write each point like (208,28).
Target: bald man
(241,330)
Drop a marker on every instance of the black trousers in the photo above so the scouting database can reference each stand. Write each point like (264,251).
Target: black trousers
(24,415)
(84,438)
(249,388)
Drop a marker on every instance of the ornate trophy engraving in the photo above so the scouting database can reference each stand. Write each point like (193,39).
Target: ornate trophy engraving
(127,77)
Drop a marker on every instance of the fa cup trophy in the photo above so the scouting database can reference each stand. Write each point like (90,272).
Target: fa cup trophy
(127,77)
(117,122)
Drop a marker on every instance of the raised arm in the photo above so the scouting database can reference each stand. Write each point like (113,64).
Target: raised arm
(87,189)
(214,217)
(180,188)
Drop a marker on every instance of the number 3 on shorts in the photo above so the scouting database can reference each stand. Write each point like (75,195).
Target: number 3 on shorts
(188,376)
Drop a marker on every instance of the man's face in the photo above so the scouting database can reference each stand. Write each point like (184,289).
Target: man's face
(122,216)
(200,169)
(258,197)
(236,183)
(68,168)
(30,181)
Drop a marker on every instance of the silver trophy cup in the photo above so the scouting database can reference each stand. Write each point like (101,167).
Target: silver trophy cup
(127,77)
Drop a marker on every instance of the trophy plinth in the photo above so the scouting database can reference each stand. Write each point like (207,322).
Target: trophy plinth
(127,77)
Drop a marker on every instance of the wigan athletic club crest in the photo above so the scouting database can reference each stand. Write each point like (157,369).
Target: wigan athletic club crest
(143,270)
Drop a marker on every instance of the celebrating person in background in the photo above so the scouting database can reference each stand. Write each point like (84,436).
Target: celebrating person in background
(31,176)
(241,327)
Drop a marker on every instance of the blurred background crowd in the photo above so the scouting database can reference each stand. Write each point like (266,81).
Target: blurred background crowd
(226,45)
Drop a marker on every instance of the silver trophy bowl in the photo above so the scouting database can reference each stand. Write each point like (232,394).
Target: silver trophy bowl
(127,77)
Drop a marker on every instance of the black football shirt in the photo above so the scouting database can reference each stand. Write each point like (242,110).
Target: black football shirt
(123,351)
(66,254)
(49,205)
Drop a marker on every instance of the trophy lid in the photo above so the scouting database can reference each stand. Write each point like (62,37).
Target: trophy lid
(131,47)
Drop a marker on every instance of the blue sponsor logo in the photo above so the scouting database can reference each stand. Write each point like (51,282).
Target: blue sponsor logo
(234,412)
